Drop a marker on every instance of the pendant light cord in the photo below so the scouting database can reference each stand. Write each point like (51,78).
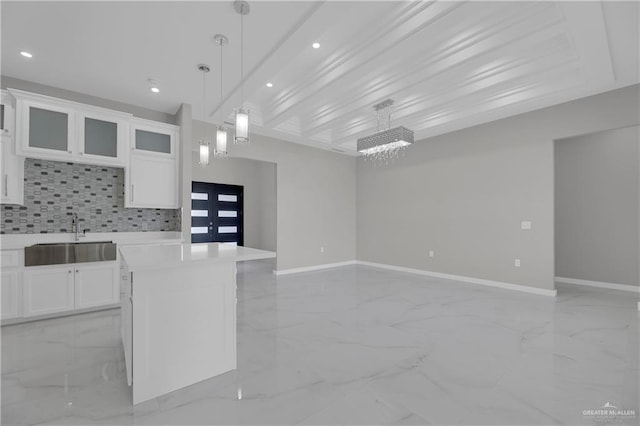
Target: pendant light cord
(203,103)
(242,56)
(389,117)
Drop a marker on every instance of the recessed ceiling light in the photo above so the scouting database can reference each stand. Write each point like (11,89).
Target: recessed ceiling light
(269,84)
(26,54)
(153,85)
(316,45)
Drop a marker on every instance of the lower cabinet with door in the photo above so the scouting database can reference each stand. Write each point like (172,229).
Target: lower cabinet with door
(67,288)
(11,283)
(11,297)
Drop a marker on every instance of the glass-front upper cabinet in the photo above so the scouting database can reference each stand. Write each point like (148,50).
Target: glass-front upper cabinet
(102,137)
(153,138)
(45,128)
(56,129)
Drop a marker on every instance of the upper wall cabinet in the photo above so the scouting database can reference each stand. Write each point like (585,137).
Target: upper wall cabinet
(153,138)
(12,177)
(153,179)
(7,114)
(54,129)
(103,137)
(11,165)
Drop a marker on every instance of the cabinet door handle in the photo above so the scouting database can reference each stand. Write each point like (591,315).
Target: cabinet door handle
(69,152)
(132,186)
(70,271)
(77,272)
(6,185)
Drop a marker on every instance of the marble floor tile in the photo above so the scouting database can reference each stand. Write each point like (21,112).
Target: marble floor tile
(352,345)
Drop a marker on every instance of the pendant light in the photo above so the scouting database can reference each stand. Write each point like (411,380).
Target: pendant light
(203,142)
(221,134)
(242,114)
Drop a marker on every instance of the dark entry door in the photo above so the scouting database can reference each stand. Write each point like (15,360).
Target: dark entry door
(217,213)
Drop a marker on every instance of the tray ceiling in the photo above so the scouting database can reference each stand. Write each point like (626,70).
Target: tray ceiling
(447,65)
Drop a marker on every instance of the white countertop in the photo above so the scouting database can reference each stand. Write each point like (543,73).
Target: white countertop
(153,257)
(20,241)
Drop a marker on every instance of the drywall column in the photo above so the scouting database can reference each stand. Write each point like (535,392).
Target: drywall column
(183,119)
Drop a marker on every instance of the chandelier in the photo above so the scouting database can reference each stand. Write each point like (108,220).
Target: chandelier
(385,145)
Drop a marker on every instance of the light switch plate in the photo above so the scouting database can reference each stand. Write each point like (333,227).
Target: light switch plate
(431,253)
(525,224)
(516,263)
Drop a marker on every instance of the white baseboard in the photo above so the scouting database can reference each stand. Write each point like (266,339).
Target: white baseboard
(499,284)
(600,284)
(314,268)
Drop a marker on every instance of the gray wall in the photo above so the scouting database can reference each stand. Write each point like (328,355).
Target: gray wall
(316,199)
(464,194)
(597,198)
(259,181)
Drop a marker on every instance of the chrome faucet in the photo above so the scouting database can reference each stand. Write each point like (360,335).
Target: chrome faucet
(75,227)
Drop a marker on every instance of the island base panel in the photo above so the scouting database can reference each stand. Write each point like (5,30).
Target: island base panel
(184,327)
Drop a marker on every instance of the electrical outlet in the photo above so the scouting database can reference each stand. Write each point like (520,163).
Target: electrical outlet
(431,253)
(516,263)
(525,225)
(322,249)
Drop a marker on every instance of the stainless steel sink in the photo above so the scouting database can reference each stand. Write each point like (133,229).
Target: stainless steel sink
(62,253)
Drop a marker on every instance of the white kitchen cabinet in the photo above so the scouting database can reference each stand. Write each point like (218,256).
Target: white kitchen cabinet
(11,165)
(103,137)
(11,283)
(126,323)
(55,129)
(12,177)
(151,183)
(11,297)
(152,180)
(67,288)
(45,127)
(7,114)
(152,138)
(47,290)
(95,285)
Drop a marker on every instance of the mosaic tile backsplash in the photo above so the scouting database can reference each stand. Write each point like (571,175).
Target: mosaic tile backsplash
(55,190)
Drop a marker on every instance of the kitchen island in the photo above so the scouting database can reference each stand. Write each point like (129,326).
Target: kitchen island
(179,313)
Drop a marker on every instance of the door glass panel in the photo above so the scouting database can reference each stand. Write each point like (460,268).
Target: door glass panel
(199,196)
(227,229)
(100,137)
(226,197)
(227,213)
(48,129)
(199,213)
(152,141)
(199,229)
